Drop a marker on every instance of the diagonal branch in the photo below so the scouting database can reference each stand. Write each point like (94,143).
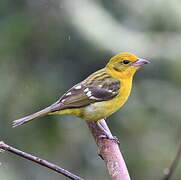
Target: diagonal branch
(109,152)
(39,161)
(169,171)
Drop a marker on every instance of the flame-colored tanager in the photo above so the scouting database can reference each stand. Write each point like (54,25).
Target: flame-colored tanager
(99,95)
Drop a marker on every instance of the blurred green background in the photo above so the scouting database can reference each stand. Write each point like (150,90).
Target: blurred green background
(47,46)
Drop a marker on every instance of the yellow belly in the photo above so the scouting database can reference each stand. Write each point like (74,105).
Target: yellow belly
(103,109)
(99,110)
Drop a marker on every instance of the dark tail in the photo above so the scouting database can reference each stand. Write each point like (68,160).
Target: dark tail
(26,119)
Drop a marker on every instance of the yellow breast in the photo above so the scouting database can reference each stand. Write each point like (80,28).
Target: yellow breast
(99,110)
(103,109)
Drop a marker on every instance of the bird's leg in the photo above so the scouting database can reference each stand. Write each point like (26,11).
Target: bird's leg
(106,131)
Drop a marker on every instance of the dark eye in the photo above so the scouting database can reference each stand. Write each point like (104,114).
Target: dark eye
(126,62)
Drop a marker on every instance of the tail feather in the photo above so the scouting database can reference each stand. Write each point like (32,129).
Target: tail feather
(26,119)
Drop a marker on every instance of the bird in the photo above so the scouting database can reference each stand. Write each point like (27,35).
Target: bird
(99,95)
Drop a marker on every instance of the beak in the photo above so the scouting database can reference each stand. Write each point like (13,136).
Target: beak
(140,62)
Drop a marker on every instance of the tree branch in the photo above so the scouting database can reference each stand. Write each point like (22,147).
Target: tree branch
(110,152)
(169,171)
(39,161)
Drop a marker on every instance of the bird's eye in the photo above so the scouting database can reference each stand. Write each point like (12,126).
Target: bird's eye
(126,62)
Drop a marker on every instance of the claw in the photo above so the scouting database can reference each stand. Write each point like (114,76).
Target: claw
(113,138)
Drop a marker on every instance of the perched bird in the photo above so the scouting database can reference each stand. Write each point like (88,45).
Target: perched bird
(99,95)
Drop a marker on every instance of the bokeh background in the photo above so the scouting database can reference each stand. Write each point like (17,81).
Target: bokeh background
(47,46)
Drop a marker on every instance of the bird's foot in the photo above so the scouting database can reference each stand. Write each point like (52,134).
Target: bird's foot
(107,136)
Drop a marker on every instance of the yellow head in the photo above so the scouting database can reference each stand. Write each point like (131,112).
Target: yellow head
(124,65)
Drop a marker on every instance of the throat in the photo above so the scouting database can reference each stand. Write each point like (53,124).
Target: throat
(125,90)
